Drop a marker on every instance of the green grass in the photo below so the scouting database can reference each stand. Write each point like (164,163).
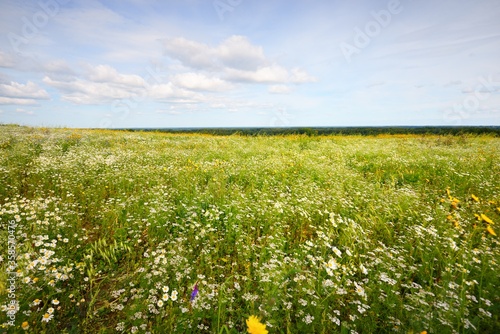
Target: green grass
(326,234)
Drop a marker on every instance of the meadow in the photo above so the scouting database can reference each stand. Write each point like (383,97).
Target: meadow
(135,232)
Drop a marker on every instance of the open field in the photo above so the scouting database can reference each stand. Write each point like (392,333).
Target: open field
(108,231)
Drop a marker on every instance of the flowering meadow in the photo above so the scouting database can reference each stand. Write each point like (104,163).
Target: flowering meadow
(142,232)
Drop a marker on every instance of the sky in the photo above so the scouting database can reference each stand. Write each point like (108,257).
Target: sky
(243,63)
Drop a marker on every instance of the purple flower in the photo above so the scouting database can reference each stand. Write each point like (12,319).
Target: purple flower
(194,293)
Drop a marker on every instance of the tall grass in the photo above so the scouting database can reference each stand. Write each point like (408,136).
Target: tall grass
(325,234)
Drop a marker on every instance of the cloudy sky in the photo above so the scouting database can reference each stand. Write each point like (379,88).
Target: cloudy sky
(206,63)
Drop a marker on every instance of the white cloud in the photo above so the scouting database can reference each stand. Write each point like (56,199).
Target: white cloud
(279,89)
(81,91)
(100,84)
(268,74)
(107,74)
(57,67)
(199,81)
(23,94)
(238,52)
(29,90)
(190,53)
(168,92)
(300,76)
(15,101)
(235,59)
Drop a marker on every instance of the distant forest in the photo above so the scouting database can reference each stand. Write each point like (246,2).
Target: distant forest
(318,131)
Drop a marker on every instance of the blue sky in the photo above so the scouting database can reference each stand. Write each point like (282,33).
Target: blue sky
(194,63)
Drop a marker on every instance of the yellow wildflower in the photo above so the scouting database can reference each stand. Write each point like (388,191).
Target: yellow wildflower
(255,326)
(491,231)
(25,325)
(475,198)
(486,219)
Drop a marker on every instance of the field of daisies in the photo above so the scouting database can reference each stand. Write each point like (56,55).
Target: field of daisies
(135,232)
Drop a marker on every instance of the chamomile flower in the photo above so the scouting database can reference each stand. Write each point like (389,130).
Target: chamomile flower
(47,317)
(173,296)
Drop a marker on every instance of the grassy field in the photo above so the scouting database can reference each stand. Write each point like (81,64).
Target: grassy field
(108,231)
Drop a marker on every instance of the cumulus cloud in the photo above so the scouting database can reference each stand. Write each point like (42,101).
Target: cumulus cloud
(279,89)
(267,74)
(169,92)
(199,81)
(190,53)
(82,91)
(234,59)
(234,52)
(23,94)
(237,52)
(300,76)
(107,74)
(99,84)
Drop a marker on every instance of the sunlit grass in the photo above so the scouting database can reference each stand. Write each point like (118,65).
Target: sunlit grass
(159,233)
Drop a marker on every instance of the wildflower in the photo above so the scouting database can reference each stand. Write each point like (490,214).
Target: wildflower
(486,218)
(491,231)
(337,251)
(360,290)
(37,302)
(160,303)
(194,293)
(308,319)
(363,269)
(332,264)
(475,198)
(173,296)
(55,302)
(50,310)
(25,325)
(255,326)
(165,297)
(47,317)
(165,289)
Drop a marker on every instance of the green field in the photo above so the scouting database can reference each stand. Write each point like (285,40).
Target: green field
(110,231)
